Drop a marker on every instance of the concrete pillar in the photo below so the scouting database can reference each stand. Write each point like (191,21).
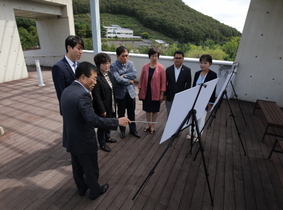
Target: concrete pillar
(95,24)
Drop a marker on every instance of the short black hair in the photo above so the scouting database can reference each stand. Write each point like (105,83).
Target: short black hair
(120,50)
(206,57)
(85,68)
(152,51)
(179,52)
(101,58)
(72,41)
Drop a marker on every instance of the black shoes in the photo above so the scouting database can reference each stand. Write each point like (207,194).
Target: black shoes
(104,188)
(136,134)
(111,141)
(105,148)
(122,134)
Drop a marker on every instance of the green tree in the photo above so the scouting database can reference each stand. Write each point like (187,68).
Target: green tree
(81,7)
(231,48)
(171,49)
(27,39)
(27,32)
(88,44)
(145,35)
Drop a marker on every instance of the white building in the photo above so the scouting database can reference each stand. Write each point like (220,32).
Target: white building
(117,31)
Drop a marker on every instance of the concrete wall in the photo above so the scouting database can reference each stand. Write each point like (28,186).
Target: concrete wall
(54,21)
(12,63)
(260,54)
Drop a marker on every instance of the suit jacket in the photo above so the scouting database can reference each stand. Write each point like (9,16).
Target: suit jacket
(210,76)
(79,120)
(63,76)
(122,84)
(183,82)
(102,95)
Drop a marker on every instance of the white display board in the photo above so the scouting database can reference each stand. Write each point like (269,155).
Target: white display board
(183,103)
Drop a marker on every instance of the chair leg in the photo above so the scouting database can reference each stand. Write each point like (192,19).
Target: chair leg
(272,149)
(262,140)
(255,107)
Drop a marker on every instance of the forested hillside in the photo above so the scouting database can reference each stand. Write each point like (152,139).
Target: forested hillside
(170,20)
(173,18)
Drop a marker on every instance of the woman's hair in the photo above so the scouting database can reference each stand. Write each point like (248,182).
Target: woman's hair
(152,51)
(101,58)
(206,57)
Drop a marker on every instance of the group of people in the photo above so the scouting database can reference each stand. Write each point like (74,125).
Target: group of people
(88,96)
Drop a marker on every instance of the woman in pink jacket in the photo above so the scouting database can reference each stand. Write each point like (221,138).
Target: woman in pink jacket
(152,85)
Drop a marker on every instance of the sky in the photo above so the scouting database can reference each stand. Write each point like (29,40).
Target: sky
(230,12)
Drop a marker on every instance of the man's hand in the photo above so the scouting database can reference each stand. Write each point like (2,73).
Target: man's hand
(132,81)
(103,114)
(209,106)
(123,121)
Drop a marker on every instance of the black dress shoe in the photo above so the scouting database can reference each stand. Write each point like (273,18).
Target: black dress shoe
(122,134)
(111,140)
(104,188)
(136,134)
(105,148)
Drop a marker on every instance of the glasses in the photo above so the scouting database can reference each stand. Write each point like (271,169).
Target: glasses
(178,58)
(124,56)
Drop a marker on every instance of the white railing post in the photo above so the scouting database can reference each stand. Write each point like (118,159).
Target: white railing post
(38,69)
(1,131)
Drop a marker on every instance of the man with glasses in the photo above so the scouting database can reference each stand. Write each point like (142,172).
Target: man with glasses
(124,74)
(79,137)
(178,78)
(63,72)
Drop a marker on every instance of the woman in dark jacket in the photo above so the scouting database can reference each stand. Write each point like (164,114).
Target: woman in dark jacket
(202,76)
(103,98)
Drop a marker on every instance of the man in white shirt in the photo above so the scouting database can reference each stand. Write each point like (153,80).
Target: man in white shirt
(178,78)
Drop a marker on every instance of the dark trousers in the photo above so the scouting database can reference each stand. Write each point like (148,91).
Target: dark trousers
(86,172)
(102,136)
(130,104)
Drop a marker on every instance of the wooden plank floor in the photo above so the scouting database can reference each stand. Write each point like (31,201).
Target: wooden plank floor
(35,170)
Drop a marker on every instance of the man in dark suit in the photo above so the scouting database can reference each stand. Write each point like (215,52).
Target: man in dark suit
(178,78)
(79,121)
(104,98)
(63,72)
(124,74)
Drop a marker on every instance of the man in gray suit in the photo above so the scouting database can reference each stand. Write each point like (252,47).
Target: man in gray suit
(79,121)
(178,78)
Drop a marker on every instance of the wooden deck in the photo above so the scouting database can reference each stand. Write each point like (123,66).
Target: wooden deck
(35,170)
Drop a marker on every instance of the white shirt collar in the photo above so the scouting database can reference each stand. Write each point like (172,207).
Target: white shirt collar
(71,63)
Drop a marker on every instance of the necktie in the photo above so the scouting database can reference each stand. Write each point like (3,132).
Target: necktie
(74,66)
(90,93)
